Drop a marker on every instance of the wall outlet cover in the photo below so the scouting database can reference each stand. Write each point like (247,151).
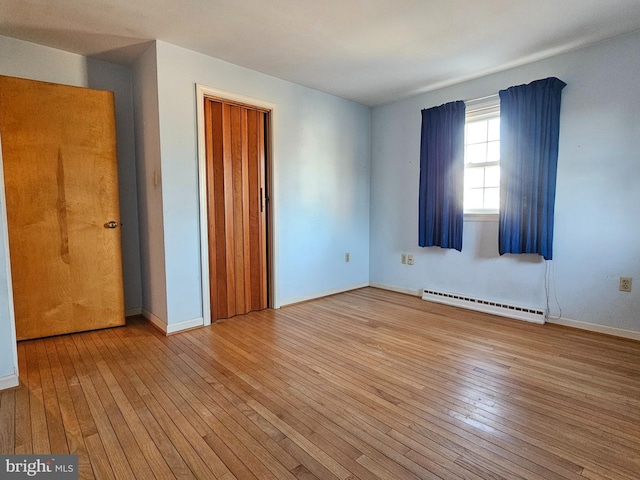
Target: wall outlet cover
(625,284)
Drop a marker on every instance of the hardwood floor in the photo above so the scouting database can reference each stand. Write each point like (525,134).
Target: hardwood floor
(365,384)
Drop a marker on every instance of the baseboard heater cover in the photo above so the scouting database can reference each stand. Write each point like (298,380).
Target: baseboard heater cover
(534,315)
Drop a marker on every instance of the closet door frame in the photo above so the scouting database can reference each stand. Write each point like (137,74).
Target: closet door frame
(202,93)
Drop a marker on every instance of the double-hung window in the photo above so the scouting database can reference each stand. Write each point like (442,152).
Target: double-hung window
(482,156)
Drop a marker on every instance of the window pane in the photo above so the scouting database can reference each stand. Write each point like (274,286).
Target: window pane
(492,198)
(491,176)
(493,151)
(494,129)
(473,198)
(476,132)
(476,153)
(481,182)
(474,178)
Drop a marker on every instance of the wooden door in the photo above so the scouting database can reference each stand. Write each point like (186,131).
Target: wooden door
(235,150)
(60,169)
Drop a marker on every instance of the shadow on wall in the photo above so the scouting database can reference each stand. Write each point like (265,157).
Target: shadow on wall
(102,75)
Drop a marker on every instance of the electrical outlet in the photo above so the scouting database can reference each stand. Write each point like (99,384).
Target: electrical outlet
(346,257)
(403,258)
(625,284)
(410,259)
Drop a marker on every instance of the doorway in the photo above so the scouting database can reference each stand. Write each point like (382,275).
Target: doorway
(235,137)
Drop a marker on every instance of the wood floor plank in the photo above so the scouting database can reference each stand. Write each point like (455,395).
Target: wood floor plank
(153,459)
(106,438)
(126,439)
(119,366)
(367,384)
(232,451)
(55,428)
(335,443)
(7,421)
(223,416)
(37,412)
(101,466)
(77,419)
(378,392)
(320,327)
(63,399)
(187,439)
(341,426)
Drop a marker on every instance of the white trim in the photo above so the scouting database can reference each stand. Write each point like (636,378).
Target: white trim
(185,325)
(172,327)
(130,312)
(324,293)
(481,217)
(201,92)
(9,381)
(482,108)
(416,292)
(594,327)
(5,240)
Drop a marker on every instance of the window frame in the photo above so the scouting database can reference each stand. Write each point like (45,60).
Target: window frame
(483,108)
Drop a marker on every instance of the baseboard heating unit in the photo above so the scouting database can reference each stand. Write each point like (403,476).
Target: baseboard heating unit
(535,315)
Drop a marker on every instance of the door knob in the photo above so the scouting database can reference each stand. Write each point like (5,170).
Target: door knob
(111,224)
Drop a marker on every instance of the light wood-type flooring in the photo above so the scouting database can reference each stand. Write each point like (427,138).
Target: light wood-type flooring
(364,384)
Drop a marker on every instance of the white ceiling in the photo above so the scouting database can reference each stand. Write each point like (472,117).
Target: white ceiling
(370,51)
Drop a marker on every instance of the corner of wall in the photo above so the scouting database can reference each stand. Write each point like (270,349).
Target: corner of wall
(149,184)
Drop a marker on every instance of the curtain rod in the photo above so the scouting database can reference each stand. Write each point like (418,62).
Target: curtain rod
(482,99)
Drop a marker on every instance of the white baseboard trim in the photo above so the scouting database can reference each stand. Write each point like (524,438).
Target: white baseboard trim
(168,329)
(593,327)
(185,325)
(416,292)
(324,293)
(9,381)
(130,312)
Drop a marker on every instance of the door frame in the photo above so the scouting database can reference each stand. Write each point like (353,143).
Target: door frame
(203,92)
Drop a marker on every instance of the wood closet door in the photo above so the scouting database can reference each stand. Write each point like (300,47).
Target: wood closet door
(59,157)
(235,149)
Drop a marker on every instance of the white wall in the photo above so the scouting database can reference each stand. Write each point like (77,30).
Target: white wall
(28,60)
(322,179)
(597,222)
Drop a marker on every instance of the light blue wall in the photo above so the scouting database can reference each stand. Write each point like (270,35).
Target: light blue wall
(597,221)
(322,179)
(116,78)
(8,352)
(152,259)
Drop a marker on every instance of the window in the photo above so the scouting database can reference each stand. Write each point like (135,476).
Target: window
(482,156)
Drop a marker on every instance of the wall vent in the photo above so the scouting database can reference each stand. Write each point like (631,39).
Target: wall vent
(535,315)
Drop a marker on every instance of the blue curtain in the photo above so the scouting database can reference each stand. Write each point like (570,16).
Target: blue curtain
(529,132)
(442,176)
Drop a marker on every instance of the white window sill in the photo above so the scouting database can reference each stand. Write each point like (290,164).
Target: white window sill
(481,217)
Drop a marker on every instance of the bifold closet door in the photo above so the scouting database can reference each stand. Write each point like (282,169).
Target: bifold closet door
(61,184)
(235,150)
